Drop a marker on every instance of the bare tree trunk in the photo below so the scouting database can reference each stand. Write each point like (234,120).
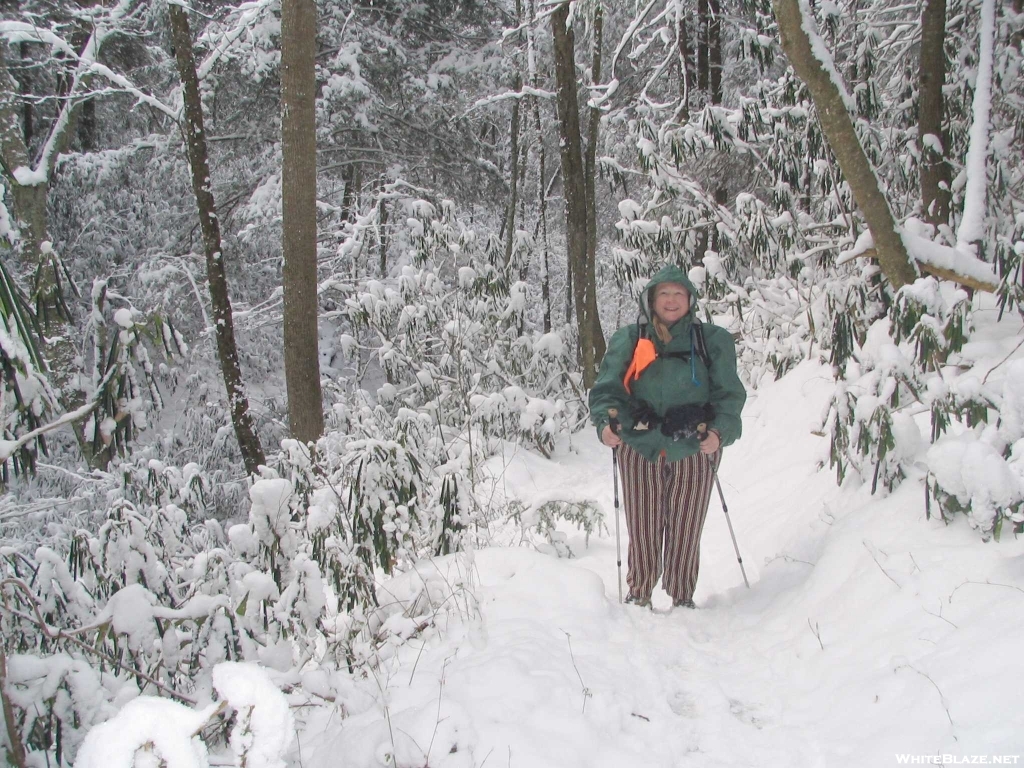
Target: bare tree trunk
(509,225)
(15,748)
(30,197)
(1017,37)
(545,271)
(838,128)
(935,173)
(27,114)
(701,248)
(15,126)
(513,162)
(715,51)
(298,191)
(807,177)
(703,33)
(195,142)
(348,177)
(382,224)
(542,192)
(687,70)
(573,182)
(715,90)
(87,125)
(590,177)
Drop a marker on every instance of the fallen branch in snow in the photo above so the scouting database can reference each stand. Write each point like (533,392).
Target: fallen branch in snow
(586,691)
(989,583)
(871,551)
(788,559)
(437,721)
(816,631)
(942,698)
(940,616)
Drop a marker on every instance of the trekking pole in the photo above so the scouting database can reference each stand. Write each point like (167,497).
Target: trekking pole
(732,533)
(728,520)
(613,422)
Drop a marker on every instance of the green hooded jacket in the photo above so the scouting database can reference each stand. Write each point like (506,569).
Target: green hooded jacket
(669,381)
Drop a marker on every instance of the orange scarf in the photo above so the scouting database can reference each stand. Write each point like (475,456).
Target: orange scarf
(644,354)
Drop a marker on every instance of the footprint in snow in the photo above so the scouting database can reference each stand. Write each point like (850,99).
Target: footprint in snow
(745,714)
(682,704)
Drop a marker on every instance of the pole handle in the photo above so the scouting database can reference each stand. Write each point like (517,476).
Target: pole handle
(613,420)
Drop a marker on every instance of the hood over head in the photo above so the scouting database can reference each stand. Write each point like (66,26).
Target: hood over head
(667,274)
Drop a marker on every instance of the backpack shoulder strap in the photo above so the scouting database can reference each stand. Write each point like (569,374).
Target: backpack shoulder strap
(700,346)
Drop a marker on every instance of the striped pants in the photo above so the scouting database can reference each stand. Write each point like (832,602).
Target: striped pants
(666,503)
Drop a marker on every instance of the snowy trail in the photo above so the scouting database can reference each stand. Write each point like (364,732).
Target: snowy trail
(868,632)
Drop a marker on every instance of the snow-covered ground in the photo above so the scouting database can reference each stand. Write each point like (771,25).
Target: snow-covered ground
(869,636)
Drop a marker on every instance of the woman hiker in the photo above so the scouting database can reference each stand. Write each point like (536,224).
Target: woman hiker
(668,399)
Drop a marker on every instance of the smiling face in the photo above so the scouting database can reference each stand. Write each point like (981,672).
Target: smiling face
(671,302)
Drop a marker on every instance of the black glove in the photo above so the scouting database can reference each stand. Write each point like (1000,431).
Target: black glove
(690,420)
(644,416)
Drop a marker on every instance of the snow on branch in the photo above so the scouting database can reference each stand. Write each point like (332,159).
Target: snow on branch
(248,14)
(509,95)
(821,52)
(958,264)
(9,447)
(972,225)
(18,31)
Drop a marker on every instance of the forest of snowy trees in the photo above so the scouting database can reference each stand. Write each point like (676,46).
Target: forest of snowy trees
(444,207)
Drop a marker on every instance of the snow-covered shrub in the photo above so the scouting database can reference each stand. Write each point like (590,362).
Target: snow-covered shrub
(108,388)
(149,602)
(541,520)
(907,365)
(969,476)
(1009,257)
(171,733)
(26,397)
(867,432)
(449,334)
(980,470)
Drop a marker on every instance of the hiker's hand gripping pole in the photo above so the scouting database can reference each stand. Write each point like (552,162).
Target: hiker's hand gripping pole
(613,422)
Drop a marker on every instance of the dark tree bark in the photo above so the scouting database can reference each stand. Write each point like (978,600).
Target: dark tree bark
(195,142)
(87,126)
(703,35)
(509,225)
(935,172)
(837,127)
(715,91)
(26,92)
(590,176)
(687,70)
(15,748)
(700,250)
(513,161)
(298,190)
(348,195)
(542,192)
(715,51)
(382,223)
(30,201)
(574,184)
(1018,37)
(15,133)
